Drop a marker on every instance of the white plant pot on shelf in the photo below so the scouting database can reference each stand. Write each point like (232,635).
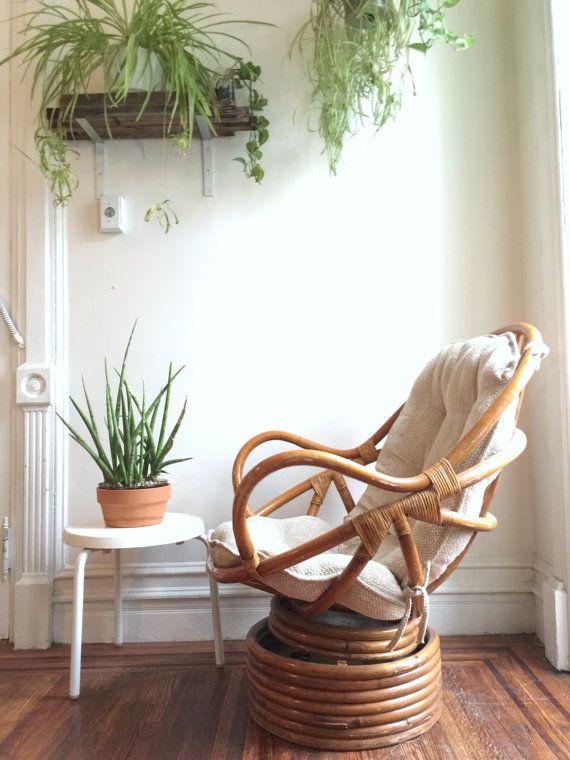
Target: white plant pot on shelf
(148,74)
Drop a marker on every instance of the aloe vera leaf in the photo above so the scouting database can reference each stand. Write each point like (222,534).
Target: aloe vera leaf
(123,368)
(107,474)
(170,440)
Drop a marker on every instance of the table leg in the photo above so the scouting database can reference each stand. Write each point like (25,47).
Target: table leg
(118,599)
(216,623)
(215,607)
(76,635)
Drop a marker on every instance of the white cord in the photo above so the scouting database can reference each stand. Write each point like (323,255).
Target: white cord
(10,325)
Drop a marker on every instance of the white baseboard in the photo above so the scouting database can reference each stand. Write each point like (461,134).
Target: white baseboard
(555,623)
(32,612)
(551,619)
(171,602)
(543,570)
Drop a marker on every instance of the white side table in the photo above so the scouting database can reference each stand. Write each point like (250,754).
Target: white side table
(174,529)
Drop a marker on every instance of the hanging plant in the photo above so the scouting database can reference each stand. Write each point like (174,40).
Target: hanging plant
(245,75)
(358,59)
(163,213)
(177,47)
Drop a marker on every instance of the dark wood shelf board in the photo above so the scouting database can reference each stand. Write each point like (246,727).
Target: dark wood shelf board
(123,123)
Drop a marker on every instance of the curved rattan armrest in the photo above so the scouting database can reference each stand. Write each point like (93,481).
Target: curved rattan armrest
(344,532)
(304,443)
(532,351)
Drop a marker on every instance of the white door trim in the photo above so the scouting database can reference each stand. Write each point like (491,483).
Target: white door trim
(39,303)
(556,599)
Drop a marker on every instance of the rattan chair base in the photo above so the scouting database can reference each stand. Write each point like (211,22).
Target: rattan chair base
(334,702)
(339,635)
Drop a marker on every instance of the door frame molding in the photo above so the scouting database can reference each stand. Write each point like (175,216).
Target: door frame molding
(39,299)
(556,599)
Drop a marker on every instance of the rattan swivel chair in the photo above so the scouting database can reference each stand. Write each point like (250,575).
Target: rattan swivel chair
(346,660)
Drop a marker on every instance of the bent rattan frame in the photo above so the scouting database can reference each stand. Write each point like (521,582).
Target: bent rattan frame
(425,492)
(332,706)
(337,642)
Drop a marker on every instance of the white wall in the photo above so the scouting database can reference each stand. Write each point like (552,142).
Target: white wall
(308,304)
(545,301)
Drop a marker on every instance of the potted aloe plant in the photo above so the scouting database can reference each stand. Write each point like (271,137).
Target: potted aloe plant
(358,56)
(177,47)
(133,460)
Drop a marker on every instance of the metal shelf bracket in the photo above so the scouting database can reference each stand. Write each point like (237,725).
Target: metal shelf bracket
(100,155)
(207,156)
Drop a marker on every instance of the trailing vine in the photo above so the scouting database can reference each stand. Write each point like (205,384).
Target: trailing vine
(245,75)
(357,55)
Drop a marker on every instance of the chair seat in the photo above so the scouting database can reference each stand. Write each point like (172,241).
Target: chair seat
(376,593)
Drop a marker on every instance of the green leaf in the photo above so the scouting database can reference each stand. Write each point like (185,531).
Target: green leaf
(421,47)
(258,103)
(165,412)
(163,451)
(175,461)
(106,472)
(123,367)
(462,43)
(450,3)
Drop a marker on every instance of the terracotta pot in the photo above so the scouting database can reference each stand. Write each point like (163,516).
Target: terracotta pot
(133,507)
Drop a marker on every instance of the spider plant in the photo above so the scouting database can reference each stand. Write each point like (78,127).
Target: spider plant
(138,444)
(66,46)
(358,59)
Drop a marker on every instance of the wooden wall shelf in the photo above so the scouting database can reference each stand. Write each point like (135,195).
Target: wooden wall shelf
(91,121)
(123,123)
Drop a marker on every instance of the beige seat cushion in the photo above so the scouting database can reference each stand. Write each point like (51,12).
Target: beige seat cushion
(376,593)
(450,395)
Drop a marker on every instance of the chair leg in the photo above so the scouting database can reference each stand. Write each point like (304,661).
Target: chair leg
(77,632)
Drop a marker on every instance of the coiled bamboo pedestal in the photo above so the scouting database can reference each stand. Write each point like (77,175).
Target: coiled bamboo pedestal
(330,682)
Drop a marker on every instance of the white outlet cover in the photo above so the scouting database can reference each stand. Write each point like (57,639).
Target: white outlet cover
(111,213)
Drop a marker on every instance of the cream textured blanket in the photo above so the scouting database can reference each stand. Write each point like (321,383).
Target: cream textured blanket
(450,395)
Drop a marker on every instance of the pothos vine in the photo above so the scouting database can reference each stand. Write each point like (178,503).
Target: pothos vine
(244,76)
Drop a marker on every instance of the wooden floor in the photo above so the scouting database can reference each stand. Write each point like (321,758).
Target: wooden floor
(145,702)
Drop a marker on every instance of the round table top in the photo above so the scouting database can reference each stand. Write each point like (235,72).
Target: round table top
(175,527)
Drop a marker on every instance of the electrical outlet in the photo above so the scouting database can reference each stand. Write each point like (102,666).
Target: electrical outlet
(111,213)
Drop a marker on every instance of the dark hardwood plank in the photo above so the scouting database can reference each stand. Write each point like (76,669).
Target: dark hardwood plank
(529,742)
(152,701)
(540,712)
(530,653)
(236,692)
(23,696)
(467,710)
